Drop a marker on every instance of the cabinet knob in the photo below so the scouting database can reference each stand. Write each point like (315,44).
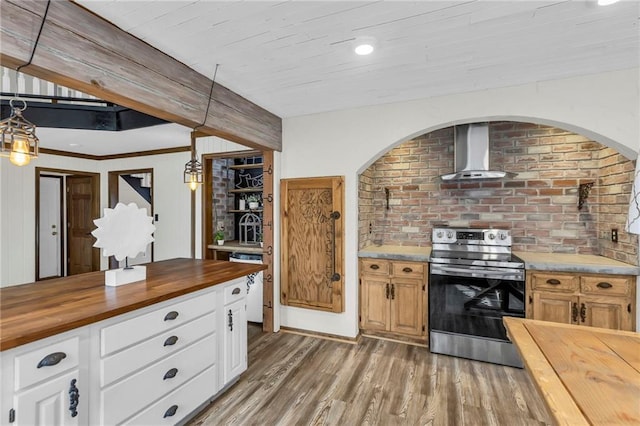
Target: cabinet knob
(553,281)
(604,284)
(52,359)
(171,411)
(171,341)
(171,316)
(170,374)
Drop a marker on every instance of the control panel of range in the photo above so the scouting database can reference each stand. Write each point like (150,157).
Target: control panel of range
(494,237)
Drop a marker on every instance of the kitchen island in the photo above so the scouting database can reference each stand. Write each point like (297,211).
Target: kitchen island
(586,375)
(75,351)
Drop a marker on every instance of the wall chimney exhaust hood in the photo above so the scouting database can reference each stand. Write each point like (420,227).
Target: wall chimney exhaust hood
(471,154)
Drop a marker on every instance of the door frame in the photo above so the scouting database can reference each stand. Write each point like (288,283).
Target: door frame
(95,210)
(113,195)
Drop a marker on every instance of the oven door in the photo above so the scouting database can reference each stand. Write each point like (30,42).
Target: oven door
(472,300)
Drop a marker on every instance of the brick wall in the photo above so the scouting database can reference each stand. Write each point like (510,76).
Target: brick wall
(222,182)
(539,205)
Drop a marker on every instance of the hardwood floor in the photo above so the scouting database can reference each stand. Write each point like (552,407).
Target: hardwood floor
(301,380)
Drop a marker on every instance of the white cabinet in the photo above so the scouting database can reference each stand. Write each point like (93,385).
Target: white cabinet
(154,365)
(235,331)
(46,382)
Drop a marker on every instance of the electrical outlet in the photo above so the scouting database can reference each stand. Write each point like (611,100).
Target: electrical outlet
(614,235)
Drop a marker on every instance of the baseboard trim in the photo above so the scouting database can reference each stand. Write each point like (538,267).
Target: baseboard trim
(326,336)
(391,339)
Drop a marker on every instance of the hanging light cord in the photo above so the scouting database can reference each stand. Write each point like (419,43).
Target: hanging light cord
(35,45)
(213,82)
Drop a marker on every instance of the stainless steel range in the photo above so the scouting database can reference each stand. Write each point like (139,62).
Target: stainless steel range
(474,281)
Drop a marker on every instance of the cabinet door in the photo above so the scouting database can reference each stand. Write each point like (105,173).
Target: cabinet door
(407,310)
(612,313)
(555,307)
(374,308)
(48,403)
(235,340)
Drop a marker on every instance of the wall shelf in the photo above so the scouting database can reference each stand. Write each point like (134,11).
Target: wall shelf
(245,190)
(246,211)
(246,166)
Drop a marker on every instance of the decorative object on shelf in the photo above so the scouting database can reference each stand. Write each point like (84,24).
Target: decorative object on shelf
(242,204)
(18,139)
(633,220)
(260,239)
(123,232)
(583,193)
(250,227)
(219,237)
(193,168)
(253,202)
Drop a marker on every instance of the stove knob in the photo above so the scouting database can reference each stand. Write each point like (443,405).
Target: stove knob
(503,236)
(492,236)
(439,234)
(449,234)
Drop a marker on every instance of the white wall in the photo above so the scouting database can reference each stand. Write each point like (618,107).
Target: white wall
(604,107)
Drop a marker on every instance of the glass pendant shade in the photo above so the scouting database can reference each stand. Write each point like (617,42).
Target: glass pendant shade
(18,139)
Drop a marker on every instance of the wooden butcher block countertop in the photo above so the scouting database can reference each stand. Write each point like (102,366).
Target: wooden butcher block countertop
(586,375)
(30,312)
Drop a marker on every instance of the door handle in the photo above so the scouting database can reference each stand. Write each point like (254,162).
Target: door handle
(583,312)
(335,276)
(393,292)
(387,291)
(574,312)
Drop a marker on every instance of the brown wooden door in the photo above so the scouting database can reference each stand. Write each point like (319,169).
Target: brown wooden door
(556,307)
(374,307)
(603,312)
(312,243)
(407,310)
(82,209)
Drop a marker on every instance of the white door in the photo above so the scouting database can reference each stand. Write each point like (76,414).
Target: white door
(49,403)
(235,340)
(49,235)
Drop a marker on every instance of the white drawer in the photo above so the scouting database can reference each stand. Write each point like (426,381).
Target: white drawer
(60,356)
(236,290)
(179,403)
(141,327)
(129,360)
(122,400)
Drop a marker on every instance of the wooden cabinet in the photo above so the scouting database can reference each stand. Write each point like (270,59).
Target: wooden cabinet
(606,301)
(154,365)
(393,297)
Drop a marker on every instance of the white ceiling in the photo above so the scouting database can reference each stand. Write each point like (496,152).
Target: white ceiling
(295,57)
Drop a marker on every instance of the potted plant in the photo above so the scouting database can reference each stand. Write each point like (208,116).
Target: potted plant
(253,201)
(259,238)
(219,237)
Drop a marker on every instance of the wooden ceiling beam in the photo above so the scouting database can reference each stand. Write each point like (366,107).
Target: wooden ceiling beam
(82,51)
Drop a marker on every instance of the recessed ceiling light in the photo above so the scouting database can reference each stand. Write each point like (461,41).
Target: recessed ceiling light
(607,2)
(364,49)
(74,144)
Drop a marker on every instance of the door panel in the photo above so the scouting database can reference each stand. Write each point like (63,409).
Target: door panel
(49,231)
(606,313)
(312,243)
(556,307)
(82,257)
(375,303)
(407,312)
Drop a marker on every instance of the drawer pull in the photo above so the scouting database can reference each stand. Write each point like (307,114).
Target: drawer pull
(553,281)
(407,270)
(170,374)
(230,316)
(171,411)
(52,359)
(171,341)
(604,284)
(236,291)
(374,266)
(74,396)
(171,316)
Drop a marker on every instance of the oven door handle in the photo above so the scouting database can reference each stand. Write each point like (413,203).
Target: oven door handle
(478,272)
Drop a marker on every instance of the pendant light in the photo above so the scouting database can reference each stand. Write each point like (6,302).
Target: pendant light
(18,139)
(193,168)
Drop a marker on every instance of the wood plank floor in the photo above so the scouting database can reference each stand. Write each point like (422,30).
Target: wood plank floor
(301,380)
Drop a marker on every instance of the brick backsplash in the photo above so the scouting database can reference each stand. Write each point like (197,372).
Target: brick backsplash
(223,179)
(539,205)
